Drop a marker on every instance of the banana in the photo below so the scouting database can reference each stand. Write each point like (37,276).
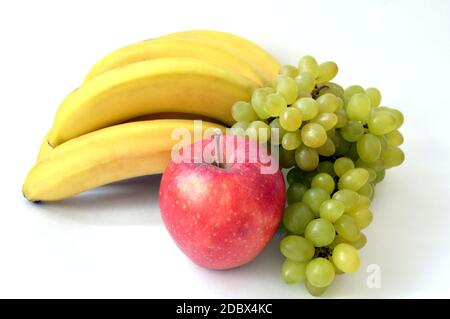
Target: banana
(45,148)
(183,85)
(108,155)
(175,47)
(262,62)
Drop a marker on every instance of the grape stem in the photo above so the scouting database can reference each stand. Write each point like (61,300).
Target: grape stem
(324,252)
(315,93)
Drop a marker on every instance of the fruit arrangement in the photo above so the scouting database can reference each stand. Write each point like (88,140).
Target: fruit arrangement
(118,123)
(337,144)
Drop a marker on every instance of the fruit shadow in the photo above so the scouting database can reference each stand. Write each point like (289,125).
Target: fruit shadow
(130,202)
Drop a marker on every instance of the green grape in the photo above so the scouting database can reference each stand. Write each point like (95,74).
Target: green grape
(287,87)
(342,165)
(291,140)
(292,271)
(352,131)
(297,248)
(340,104)
(347,228)
(341,118)
(331,132)
(314,197)
(320,272)
(275,124)
(372,174)
(369,148)
(342,146)
(242,125)
(309,64)
(288,70)
(320,232)
(336,87)
(367,189)
(258,101)
(304,94)
(353,179)
(287,158)
(338,240)
(399,119)
(332,88)
(377,165)
(380,176)
(275,104)
(393,156)
(363,217)
(258,130)
(375,96)
(383,142)
(295,192)
(305,82)
(352,152)
(337,270)
(313,290)
(326,167)
(308,177)
(308,107)
(327,71)
(243,111)
(239,128)
(362,203)
(394,138)
(291,119)
(324,181)
(381,122)
(346,258)
(396,114)
(313,135)
(306,158)
(327,149)
(352,90)
(358,107)
(294,175)
(328,103)
(331,210)
(296,217)
(348,197)
(327,120)
(360,242)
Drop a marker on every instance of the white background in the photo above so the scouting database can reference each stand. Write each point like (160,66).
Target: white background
(111,242)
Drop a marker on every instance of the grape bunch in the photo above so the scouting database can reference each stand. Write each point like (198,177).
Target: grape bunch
(337,144)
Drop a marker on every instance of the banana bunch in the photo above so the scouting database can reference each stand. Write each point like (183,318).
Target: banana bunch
(118,123)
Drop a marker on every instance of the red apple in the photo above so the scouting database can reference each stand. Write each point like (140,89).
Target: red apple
(221,217)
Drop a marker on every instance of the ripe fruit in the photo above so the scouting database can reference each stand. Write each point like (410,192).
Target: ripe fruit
(221,217)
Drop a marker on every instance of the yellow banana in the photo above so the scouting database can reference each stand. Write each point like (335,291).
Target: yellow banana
(175,47)
(108,155)
(183,85)
(262,62)
(45,148)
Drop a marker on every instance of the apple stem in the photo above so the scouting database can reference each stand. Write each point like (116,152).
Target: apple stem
(217,134)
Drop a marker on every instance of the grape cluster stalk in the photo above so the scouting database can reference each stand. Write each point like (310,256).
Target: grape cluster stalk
(337,144)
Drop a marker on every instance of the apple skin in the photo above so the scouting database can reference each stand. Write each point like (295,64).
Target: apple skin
(221,218)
